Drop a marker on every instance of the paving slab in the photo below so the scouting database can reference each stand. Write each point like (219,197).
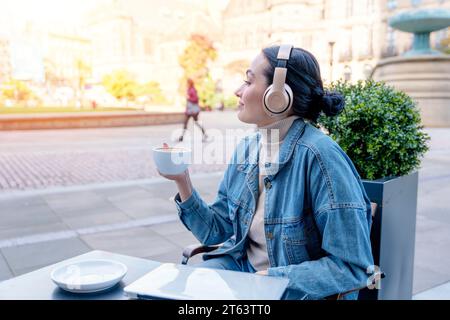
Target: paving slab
(5,271)
(160,188)
(138,242)
(75,201)
(423,224)
(441,292)
(126,194)
(95,218)
(21,202)
(27,216)
(183,239)
(432,252)
(45,253)
(426,278)
(9,233)
(169,229)
(143,208)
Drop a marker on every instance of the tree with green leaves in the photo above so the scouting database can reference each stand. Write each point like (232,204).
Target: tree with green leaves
(121,85)
(207,92)
(152,91)
(17,90)
(195,60)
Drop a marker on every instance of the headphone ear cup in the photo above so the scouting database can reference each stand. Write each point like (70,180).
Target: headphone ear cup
(277,103)
(265,98)
(290,96)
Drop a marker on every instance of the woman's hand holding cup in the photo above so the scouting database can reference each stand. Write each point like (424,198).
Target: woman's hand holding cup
(172,163)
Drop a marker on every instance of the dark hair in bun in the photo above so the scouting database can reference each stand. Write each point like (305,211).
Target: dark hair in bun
(303,76)
(332,103)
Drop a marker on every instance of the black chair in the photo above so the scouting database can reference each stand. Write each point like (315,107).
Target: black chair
(377,275)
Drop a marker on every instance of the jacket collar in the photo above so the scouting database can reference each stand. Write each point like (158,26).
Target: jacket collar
(250,168)
(288,145)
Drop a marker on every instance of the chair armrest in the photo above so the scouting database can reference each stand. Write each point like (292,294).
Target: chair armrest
(377,276)
(194,249)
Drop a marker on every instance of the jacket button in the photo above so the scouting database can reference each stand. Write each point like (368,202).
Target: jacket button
(269,235)
(267,184)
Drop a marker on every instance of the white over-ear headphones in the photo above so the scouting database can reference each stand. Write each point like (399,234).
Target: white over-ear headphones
(277,99)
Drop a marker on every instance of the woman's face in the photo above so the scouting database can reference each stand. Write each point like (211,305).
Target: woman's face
(251,92)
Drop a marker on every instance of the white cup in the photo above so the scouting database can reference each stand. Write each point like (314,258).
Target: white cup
(172,160)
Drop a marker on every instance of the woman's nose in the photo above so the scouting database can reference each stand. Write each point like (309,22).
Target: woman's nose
(238,92)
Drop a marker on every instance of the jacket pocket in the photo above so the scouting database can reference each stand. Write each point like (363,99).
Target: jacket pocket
(294,239)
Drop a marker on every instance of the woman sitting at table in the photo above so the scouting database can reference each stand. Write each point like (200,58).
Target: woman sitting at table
(300,211)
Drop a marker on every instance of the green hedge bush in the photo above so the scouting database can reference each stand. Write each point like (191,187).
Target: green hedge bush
(379,129)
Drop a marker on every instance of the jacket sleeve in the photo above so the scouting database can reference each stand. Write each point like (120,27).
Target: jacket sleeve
(342,216)
(210,224)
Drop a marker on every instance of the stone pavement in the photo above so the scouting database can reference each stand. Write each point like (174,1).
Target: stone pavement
(42,159)
(138,218)
(43,227)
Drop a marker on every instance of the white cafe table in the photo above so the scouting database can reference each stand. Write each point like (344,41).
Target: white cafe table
(38,285)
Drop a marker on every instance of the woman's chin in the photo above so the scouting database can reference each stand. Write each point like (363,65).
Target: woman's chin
(243,116)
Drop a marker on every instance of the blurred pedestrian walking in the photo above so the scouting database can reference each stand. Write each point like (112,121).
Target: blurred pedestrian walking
(192,109)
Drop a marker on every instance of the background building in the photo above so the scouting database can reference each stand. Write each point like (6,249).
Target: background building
(348,37)
(146,43)
(5,63)
(146,38)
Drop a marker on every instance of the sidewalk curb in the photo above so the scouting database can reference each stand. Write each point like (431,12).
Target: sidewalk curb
(74,233)
(96,186)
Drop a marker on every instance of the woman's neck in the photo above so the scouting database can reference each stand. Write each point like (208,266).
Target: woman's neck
(276,131)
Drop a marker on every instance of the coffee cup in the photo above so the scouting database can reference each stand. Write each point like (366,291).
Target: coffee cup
(171,160)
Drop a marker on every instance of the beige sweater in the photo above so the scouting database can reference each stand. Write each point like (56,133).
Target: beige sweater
(272,138)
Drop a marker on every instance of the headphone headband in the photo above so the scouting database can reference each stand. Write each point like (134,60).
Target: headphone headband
(278,96)
(279,76)
(284,53)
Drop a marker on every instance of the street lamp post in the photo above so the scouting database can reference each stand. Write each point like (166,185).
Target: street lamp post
(347,73)
(331,44)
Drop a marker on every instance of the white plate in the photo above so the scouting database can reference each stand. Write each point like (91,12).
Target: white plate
(89,275)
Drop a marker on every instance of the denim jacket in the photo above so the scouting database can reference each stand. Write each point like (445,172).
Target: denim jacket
(317,214)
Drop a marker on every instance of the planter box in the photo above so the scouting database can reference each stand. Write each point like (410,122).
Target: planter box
(393,235)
